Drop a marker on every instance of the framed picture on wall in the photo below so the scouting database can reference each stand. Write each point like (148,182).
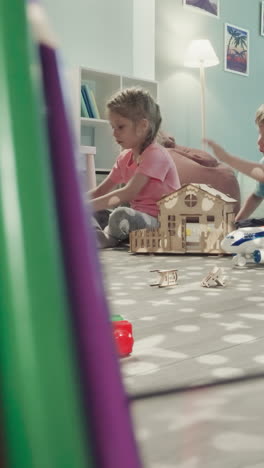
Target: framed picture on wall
(236,49)
(208,7)
(262,19)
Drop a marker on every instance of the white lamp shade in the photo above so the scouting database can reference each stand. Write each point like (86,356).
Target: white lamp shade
(200,53)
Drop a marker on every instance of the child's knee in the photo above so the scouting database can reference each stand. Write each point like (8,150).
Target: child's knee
(102,217)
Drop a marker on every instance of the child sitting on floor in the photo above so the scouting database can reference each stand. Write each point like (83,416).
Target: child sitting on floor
(252,169)
(144,166)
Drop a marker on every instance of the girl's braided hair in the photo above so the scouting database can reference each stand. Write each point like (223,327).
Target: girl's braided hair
(259,119)
(136,104)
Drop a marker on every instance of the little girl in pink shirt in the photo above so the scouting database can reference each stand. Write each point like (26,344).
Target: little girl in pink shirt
(145,167)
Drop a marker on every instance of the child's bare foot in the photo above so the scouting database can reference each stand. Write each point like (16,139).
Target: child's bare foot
(104,240)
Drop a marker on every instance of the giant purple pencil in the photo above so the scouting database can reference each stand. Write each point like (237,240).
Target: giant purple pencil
(104,396)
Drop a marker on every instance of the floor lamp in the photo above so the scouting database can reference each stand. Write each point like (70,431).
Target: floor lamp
(200,54)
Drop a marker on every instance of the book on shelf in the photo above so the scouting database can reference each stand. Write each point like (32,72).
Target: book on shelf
(90,101)
(86,100)
(84,112)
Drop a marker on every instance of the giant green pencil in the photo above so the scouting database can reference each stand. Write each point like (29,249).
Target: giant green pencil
(42,421)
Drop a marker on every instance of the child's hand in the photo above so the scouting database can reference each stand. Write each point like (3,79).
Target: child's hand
(219,152)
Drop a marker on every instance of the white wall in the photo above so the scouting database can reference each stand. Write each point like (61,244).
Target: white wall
(109,35)
(116,36)
(144,39)
(94,33)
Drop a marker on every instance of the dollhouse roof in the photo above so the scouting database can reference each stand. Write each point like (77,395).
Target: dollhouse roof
(204,188)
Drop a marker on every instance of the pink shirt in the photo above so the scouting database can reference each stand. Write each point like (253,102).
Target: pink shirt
(158,165)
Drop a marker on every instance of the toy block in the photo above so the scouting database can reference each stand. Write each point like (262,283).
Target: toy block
(123,335)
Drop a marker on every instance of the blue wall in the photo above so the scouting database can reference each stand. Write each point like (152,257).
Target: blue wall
(231,99)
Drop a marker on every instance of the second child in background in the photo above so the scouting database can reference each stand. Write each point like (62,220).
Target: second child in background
(252,169)
(144,167)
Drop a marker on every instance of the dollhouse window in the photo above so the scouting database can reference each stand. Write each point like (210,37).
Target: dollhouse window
(190,200)
(171,224)
(192,219)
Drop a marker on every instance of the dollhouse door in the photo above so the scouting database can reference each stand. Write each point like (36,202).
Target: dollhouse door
(193,234)
(183,234)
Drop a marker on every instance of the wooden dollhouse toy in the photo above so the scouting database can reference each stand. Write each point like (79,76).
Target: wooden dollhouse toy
(193,219)
(166,278)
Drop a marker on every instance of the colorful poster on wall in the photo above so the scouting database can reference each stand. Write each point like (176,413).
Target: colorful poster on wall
(208,7)
(236,49)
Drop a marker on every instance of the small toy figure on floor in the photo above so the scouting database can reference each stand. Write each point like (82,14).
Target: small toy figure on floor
(167,278)
(214,278)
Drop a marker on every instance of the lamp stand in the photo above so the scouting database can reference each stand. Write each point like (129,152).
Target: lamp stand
(202,82)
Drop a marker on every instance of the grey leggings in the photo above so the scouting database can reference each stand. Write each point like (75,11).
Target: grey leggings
(122,220)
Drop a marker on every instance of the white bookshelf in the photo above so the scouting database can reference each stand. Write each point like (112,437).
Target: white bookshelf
(97,132)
